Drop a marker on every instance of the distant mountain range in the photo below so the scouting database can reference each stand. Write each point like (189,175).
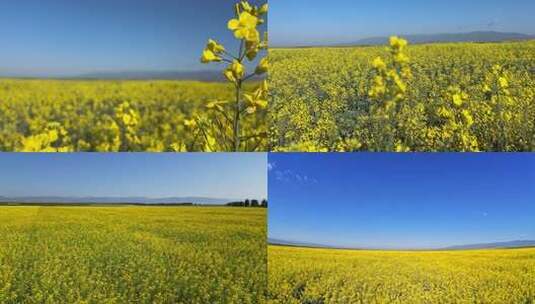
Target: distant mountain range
(511,244)
(156,75)
(212,76)
(273,241)
(488,36)
(209,76)
(479,36)
(112,200)
(496,245)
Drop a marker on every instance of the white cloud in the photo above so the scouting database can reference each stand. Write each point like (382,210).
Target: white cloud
(292,176)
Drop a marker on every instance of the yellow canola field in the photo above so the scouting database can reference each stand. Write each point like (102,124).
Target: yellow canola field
(110,116)
(132,255)
(434,97)
(327,276)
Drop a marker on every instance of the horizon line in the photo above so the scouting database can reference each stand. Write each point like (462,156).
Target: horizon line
(355,40)
(116,196)
(282,242)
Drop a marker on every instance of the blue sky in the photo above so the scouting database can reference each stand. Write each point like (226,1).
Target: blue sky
(58,37)
(301,22)
(401,200)
(218,175)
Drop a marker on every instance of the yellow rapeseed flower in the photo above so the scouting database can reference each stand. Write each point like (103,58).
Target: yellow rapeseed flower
(245,27)
(190,123)
(218,104)
(457,100)
(263,9)
(504,84)
(214,46)
(379,64)
(468,118)
(234,72)
(398,43)
(246,6)
(262,67)
(209,56)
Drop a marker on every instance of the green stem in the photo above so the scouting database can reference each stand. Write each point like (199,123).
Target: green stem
(237,106)
(237,112)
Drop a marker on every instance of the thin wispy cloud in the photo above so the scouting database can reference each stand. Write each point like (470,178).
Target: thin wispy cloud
(491,24)
(291,176)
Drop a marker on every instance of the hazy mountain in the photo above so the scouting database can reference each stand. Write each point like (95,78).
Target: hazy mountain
(497,245)
(273,241)
(156,75)
(511,244)
(483,36)
(214,76)
(209,76)
(109,200)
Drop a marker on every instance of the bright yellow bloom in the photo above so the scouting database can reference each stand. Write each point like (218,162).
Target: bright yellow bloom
(262,67)
(379,64)
(401,148)
(179,147)
(209,56)
(378,89)
(258,99)
(234,72)
(468,118)
(398,43)
(444,112)
(245,27)
(457,100)
(215,47)
(190,123)
(399,83)
(401,58)
(253,9)
(504,84)
(263,9)
(246,6)
(216,105)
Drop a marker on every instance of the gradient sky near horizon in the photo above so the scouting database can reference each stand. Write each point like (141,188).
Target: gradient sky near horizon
(401,200)
(65,37)
(156,175)
(303,22)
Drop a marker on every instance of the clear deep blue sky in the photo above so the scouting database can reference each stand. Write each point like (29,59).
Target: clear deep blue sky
(218,175)
(58,37)
(301,22)
(401,200)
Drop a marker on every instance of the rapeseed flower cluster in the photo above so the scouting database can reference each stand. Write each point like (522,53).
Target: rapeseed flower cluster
(225,131)
(114,116)
(132,255)
(305,275)
(435,97)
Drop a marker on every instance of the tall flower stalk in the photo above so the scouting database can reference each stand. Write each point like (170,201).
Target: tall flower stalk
(251,42)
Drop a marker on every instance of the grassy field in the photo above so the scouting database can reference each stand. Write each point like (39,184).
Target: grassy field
(132,255)
(109,116)
(304,275)
(434,97)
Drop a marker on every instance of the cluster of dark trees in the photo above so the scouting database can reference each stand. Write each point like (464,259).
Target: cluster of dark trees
(249,203)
